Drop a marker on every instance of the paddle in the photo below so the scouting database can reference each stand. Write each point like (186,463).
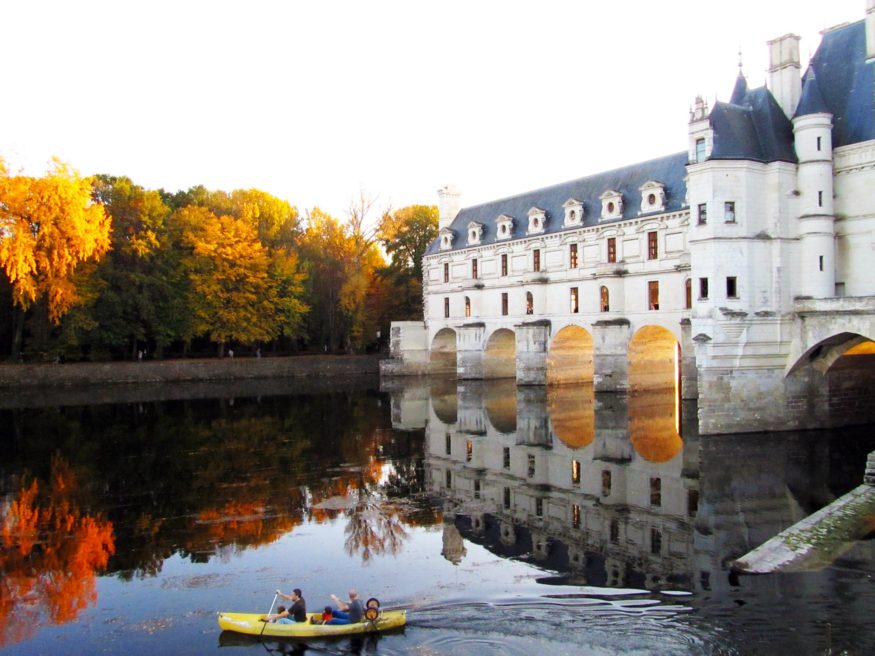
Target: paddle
(264,624)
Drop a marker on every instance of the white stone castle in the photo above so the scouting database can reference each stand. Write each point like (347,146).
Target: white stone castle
(738,269)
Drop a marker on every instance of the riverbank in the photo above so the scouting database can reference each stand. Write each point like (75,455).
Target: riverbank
(17,376)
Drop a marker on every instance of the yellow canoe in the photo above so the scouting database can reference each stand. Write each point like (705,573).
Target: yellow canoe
(251,624)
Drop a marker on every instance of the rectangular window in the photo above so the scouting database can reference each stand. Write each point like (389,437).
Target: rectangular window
(446,272)
(575,472)
(572,256)
(820,262)
(818,143)
(612,249)
(652,249)
(731,287)
(653,294)
(700,150)
(539,507)
(729,211)
(504,304)
(703,289)
(531,472)
(575,304)
(692,502)
(615,532)
(446,307)
(506,457)
(688,293)
(575,516)
(530,303)
(820,199)
(467,307)
(656,492)
(449,445)
(655,541)
(469,450)
(474,268)
(476,489)
(507,498)
(606,483)
(449,479)
(504,264)
(703,213)
(536,259)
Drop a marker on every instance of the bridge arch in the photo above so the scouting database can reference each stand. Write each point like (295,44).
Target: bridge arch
(499,356)
(442,355)
(654,359)
(571,411)
(570,358)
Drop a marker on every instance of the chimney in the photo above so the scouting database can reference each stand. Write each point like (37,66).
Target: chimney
(870,30)
(785,80)
(448,205)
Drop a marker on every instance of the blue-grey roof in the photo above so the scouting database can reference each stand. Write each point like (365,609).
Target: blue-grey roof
(847,83)
(753,127)
(669,171)
(812,101)
(739,91)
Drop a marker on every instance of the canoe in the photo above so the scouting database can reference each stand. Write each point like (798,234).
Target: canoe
(251,624)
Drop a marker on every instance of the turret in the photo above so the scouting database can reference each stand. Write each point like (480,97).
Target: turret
(449,199)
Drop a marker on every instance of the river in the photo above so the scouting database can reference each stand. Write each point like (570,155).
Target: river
(508,521)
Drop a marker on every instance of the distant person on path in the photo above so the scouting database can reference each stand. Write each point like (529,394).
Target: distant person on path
(347,612)
(299,607)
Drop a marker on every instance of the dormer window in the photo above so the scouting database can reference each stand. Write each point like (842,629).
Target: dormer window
(537,220)
(446,236)
(612,205)
(652,197)
(475,232)
(504,227)
(573,212)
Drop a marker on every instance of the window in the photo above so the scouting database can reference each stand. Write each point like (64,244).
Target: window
(653,294)
(604,299)
(655,541)
(469,450)
(656,492)
(449,445)
(703,289)
(612,249)
(446,272)
(820,262)
(449,479)
(606,483)
(474,268)
(575,516)
(476,489)
(692,502)
(688,293)
(575,472)
(530,303)
(615,531)
(506,457)
(731,287)
(729,211)
(575,304)
(652,250)
(446,307)
(504,264)
(536,259)
(572,256)
(819,143)
(507,498)
(504,304)
(703,213)
(700,150)
(820,199)
(467,307)
(539,507)
(531,472)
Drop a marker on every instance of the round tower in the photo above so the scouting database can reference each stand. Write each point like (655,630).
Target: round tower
(812,129)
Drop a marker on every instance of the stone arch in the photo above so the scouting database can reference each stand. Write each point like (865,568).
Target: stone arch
(499,356)
(499,401)
(570,359)
(655,424)
(572,414)
(444,399)
(826,352)
(442,355)
(654,359)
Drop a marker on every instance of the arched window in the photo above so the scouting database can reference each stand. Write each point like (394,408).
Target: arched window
(604,299)
(688,293)
(530,303)
(467,307)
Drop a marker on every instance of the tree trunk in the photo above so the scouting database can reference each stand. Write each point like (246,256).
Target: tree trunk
(17,333)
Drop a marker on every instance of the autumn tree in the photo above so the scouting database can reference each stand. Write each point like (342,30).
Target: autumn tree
(48,227)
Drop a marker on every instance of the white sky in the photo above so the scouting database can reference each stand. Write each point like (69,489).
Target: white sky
(313,101)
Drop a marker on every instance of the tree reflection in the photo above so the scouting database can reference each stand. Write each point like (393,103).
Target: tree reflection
(51,553)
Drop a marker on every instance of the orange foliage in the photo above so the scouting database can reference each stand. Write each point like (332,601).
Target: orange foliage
(50,554)
(241,523)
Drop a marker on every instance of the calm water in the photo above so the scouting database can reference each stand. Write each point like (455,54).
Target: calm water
(508,521)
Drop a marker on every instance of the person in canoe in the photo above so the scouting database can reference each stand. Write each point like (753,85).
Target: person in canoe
(347,612)
(297,613)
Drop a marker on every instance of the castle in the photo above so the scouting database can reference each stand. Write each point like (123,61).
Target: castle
(736,270)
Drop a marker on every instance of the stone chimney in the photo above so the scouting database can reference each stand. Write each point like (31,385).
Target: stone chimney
(870,30)
(785,80)
(448,205)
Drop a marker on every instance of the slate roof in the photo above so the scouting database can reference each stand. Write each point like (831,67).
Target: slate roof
(669,170)
(753,127)
(847,83)
(812,101)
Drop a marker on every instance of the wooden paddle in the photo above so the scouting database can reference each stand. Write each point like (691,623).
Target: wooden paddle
(264,624)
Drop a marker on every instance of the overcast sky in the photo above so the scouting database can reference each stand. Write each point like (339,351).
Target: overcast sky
(313,101)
